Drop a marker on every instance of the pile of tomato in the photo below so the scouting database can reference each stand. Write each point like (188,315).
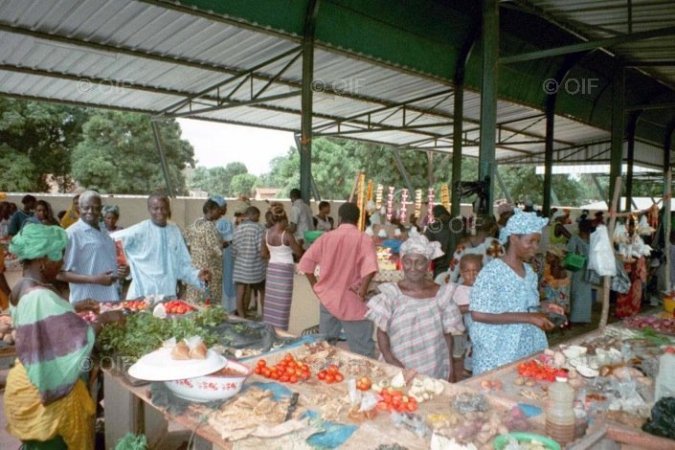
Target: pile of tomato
(135,305)
(288,370)
(330,374)
(395,400)
(177,307)
(538,370)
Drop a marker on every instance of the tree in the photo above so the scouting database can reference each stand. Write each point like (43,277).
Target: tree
(18,172)
(118,154)
(243,184)
(217,180)
(43,134)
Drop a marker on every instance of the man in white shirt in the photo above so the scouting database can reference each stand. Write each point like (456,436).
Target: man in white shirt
(301,219)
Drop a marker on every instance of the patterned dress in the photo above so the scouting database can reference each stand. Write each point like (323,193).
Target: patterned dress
(498,289)
(416,327)
(205,248)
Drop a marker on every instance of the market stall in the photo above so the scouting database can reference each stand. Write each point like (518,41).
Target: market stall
(310,394)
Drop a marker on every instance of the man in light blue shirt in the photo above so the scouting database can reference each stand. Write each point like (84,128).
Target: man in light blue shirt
(89,264)
(157,253)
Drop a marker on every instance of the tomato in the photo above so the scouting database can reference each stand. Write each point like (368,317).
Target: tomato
(338,377)
(293,379)
(321,375)
(330,378)
(332,369)
(266,372)
(364,384)
(261,362)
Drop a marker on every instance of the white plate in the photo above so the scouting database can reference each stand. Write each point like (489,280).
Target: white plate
(160,366)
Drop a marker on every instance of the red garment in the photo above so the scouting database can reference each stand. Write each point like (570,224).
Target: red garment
(628,304)
(345,256)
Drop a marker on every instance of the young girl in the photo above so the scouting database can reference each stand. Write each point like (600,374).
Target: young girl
(469,266)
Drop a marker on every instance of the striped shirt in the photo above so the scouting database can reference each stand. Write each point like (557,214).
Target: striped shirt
(249,267)
(90,251)
(416,327)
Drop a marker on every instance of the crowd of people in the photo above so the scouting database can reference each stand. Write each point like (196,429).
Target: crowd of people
(489,300)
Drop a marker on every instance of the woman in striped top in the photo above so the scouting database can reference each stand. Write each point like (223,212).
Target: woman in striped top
(45,397)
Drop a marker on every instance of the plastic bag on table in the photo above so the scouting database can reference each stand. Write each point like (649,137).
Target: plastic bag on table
(601,255)
(662,420)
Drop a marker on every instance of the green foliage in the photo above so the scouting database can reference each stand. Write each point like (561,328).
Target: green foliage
(118,154)
(132,441)
(242,184)
(143,333)
(217,180)
(43,135)
(18,172)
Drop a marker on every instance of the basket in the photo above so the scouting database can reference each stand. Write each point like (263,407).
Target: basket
(574,261)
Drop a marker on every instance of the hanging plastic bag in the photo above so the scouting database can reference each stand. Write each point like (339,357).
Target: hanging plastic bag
(601,255)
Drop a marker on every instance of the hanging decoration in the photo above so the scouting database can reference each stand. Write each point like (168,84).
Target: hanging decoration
(390,203)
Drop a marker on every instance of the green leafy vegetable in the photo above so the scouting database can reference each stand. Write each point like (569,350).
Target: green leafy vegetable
(143,333)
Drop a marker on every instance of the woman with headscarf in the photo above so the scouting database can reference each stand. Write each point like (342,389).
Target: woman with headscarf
(278,249)
(111,214)
(205,246)
(416,318)
(45,398)
(504,301)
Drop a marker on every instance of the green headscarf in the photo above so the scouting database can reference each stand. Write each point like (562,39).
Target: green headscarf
(36,241)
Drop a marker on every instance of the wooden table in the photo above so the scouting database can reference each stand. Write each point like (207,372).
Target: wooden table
(128,409)
(606,435)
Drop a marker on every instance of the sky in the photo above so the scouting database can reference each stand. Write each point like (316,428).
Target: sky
(217,144)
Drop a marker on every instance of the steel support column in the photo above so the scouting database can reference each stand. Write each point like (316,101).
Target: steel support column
(162,158)
(488,96)
(667,195)
(616,156)
(548,154)
(306,102)
(630,156)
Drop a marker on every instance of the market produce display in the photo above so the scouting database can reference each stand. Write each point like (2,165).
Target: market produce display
(143,333)
(659,324)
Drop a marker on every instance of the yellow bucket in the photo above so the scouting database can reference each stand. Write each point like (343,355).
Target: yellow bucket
(669,304)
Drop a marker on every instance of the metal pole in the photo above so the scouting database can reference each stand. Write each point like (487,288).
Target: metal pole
(488,96)
(630,156)
(401,169)
(306,102)
(617,131)
(162,158)
(667,195)
(548,153)
(458,113)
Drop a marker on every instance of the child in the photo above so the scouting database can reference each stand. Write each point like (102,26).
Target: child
(469,266)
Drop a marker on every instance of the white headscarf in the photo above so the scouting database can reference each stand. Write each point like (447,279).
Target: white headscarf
(420,245)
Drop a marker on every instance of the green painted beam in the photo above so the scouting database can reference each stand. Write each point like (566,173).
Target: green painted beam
(488,97)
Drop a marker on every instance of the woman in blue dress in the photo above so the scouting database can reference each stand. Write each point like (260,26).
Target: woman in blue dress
(226,230)
(506,322)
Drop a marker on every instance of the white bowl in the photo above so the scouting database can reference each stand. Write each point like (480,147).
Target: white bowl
(213,387)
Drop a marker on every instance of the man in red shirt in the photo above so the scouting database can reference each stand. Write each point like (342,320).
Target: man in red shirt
(347,262)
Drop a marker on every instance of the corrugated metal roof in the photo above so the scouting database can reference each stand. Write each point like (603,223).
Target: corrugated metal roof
(598,19)
(138,55)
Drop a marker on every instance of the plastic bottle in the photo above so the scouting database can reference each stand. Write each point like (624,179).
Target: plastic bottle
(665,379)
(560,417)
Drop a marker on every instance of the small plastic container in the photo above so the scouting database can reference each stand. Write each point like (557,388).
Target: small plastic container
(560,416)
(665,378)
